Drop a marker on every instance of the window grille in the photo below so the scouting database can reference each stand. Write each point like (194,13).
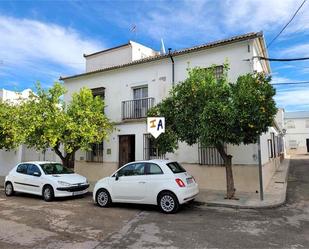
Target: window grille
(96,153)
(209,155)
(151,150)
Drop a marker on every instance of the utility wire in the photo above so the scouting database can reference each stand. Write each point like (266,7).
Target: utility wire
(281,59)
(269,44)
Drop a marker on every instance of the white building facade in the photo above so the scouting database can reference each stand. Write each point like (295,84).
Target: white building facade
(297,132)
(132,78)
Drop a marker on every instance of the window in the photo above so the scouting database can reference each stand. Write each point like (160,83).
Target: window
(100,91)
(22,169)
(270,148)
(134,169)
(96,153)
(176,167)
(140,92)
(218,71)
(151,150)
(307,123)
(33,168)
(290,124)
(153,169)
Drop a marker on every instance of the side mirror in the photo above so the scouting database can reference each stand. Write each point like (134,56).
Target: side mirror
(36,174)
(116,177)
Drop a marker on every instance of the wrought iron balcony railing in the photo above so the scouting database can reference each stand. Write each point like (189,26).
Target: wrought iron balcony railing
(137,108)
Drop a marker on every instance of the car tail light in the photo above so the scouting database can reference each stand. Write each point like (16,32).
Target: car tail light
(180,183)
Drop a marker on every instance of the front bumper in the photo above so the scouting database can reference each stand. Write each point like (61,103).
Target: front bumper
(71,191)
(74,188)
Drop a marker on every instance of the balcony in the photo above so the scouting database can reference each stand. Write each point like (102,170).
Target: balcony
(136,109)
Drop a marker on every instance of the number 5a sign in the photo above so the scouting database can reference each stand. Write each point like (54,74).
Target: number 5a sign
(156,126)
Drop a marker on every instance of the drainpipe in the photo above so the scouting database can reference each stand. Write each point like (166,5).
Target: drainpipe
(260,170)
(173,66)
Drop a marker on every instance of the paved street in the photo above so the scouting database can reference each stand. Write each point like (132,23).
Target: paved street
(27,222)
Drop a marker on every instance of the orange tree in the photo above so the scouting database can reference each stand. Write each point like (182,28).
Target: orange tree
(211,110)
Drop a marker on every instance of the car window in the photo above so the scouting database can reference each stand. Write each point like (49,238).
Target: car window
(176,167)
(32,168)
(153,169)
(22,169)
(133,169)
(55,168)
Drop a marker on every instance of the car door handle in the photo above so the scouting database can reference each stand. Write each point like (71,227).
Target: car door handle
(142,182)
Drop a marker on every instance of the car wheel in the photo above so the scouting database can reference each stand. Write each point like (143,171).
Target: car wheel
(9,190)
(168,203)
(48,193)
(103,198)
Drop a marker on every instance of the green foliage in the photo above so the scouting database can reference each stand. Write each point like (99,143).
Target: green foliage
(51,123)
(213,111)
(11,134)
(44,121)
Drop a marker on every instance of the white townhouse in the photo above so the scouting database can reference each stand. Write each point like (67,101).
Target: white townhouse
(9,159)
(132,78)
(297,132)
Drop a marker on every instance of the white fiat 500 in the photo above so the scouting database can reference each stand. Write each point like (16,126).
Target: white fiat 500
(47,179)
(157,182)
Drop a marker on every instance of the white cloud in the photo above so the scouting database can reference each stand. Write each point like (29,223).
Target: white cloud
(297,50)
(294,98)
(207,20)
(26,42)
(268,15)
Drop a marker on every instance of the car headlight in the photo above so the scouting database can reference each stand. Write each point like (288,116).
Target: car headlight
(66,184)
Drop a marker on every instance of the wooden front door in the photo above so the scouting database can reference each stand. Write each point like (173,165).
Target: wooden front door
(126,149)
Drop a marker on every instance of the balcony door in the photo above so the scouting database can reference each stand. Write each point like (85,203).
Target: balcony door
(140,96)
(126,149)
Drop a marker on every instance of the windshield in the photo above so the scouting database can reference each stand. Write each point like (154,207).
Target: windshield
(176,167)
(55,168)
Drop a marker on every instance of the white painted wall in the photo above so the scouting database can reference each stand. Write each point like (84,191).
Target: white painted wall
(299,134)
(9,159)
(157,75)
(118,56)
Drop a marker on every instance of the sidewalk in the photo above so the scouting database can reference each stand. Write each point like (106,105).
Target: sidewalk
(274,195)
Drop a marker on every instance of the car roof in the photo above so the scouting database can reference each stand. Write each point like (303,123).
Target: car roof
(38,162)
(157,161)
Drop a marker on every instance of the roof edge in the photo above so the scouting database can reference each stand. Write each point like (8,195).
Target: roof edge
(106,50)
(231,40)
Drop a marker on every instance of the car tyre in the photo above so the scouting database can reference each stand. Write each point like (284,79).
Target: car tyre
(103,198)
(48,193)
(168,202)
(9,189)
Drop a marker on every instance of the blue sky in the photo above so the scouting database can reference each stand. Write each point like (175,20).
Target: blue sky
(41,40)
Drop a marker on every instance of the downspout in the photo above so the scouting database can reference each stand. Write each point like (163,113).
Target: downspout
(173,66)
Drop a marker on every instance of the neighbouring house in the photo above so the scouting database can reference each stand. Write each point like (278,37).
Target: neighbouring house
(297,132)
(8,159)
(132,78)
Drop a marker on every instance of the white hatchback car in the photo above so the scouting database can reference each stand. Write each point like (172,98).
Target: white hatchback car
(157,182)
(47,179)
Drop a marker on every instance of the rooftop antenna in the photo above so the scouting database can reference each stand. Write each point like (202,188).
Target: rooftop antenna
(133,31)
(162,47)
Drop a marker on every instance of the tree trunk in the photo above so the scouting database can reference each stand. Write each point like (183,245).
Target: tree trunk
(64,159)
(230,188)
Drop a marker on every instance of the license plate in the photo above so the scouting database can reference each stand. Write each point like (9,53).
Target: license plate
(78,192)
(189,180)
